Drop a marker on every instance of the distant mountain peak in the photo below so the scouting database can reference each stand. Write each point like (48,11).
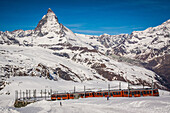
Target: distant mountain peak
(49,10)
(51,30)
(49,23)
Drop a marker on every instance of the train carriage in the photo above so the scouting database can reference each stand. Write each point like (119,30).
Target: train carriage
(111,93)
(116,93)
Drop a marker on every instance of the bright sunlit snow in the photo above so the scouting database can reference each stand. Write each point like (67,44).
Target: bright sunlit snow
(159,104)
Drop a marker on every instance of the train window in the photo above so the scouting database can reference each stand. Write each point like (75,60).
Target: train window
(132,93)
(125,92)
(150,92)
(106,93)
(87,94)
(147,92)
(58,95)
(119,93)
(155,91)
(144,92)
(114,93)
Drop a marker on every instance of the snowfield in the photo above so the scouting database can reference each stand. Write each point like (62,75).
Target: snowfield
(159,104)
(101,105)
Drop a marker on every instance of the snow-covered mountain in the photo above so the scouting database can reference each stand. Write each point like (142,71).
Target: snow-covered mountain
(55,52)
(143,46)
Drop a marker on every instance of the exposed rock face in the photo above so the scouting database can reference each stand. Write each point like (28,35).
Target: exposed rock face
(161,66)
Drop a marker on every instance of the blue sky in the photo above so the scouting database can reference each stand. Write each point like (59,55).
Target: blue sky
(93,17)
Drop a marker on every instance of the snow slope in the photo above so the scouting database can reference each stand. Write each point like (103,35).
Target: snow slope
(98,105)
(79,65)
(101,105)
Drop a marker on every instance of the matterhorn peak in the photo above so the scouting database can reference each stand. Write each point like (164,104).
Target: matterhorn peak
(49,23)
(49,10)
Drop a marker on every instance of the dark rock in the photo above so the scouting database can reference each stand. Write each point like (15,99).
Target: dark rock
(62,55)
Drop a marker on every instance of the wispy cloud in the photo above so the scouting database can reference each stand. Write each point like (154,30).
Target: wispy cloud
(122,27)
(74,25)
(138,28)
(113,28)
(87,31)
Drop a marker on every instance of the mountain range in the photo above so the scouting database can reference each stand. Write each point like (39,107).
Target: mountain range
(53,51)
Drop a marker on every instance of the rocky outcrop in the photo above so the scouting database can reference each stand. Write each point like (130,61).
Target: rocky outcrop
(161,66)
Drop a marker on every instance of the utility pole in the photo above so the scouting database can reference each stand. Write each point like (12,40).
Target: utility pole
(51,91)
(34,93)
(45,94)
(128,89)
(23,95)
(74,89)
(29,94)
(108,89)
(41,93)
(152,87)
(84,92)
(26,94)
(20,94)
(119,85)
(16,95)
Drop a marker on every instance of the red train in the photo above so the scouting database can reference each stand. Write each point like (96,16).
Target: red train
(105,93)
